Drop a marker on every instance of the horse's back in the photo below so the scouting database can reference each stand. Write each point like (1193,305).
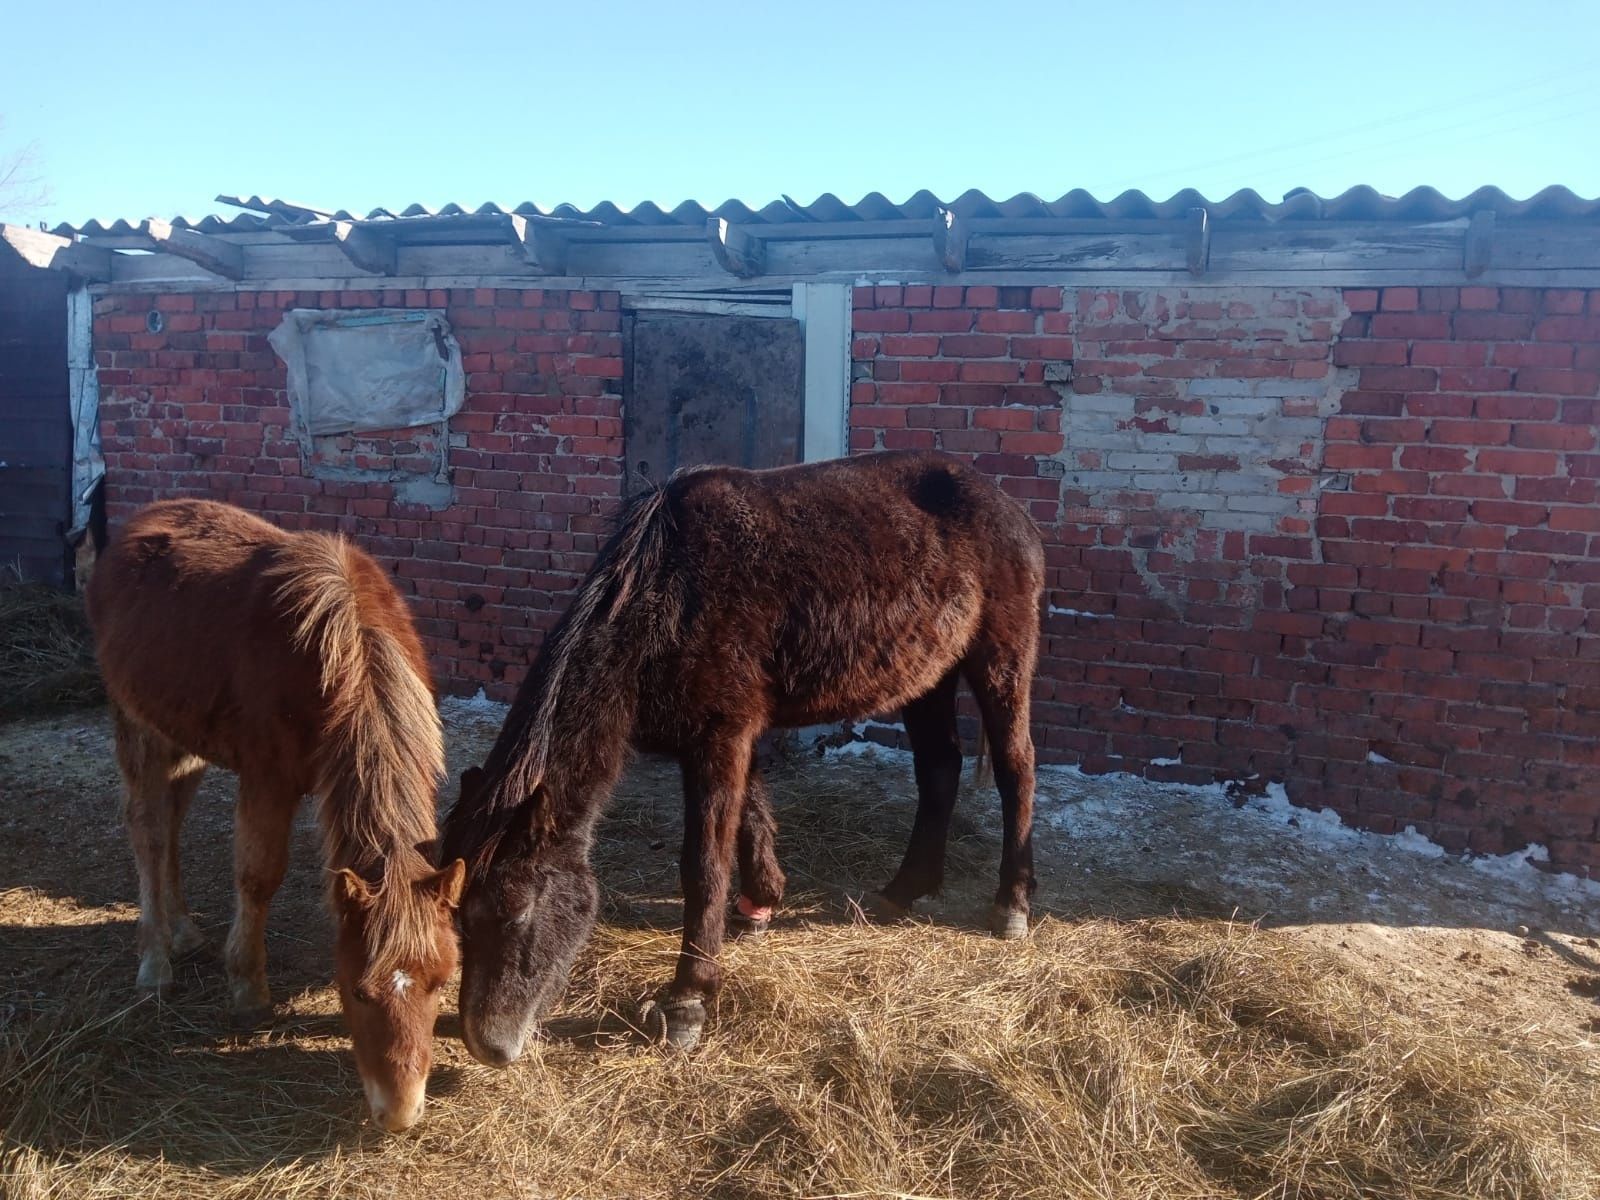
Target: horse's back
(854,583)
(191,641)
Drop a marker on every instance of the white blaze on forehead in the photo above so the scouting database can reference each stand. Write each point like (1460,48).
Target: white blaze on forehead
(401,982)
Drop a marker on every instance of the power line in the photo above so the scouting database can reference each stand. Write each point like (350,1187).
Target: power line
(1412,138)
(1185,174)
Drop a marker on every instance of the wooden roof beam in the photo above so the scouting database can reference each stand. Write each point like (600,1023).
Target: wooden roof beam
(49,252)
(214,254)
(365,247)
(950,237)
(543,244)
(734,249)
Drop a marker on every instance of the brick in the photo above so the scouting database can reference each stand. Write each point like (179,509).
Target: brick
(973,345)
(1470,433)
(892,321)
(1410,325)
(1531,354)
(1399,299)
(947,321)
(1399,379)
(1561,382)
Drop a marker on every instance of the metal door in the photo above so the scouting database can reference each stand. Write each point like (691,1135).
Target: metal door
(711,389)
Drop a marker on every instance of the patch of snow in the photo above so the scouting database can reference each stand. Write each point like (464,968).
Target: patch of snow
(1166,762)
(1057,611)
(1410,840)
(1379,760)
(871,751)
(479,705)
(1116,803)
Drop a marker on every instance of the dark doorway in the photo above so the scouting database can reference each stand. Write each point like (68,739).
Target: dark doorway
(711,389)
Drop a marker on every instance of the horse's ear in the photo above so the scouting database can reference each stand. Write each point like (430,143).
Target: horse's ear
(471,783)
(446,885)
(351,888)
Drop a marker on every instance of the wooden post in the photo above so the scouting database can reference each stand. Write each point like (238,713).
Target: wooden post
(542,243)
(1479,246)
(218,257)
(950,236)
(735,250)
(1199,241)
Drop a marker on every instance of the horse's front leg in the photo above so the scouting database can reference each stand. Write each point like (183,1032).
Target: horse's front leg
(714,779)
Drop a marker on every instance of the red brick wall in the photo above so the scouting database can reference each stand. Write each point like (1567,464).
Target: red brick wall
(200,409)
(1342,540)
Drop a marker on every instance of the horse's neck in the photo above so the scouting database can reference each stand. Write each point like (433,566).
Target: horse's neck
(568,734)
(591,730)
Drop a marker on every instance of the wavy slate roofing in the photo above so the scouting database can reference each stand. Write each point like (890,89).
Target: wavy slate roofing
(1357,204)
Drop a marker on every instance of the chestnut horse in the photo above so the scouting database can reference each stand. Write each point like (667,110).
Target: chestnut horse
(727,603)
(291,660)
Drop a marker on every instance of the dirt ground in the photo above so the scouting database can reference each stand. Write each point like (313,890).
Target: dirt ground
(1499,948)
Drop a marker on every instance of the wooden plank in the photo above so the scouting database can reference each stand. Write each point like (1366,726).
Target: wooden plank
(1327,245)
(366,247)
(1499,276)
(734,249)
(1289,249)
(211,254)
(708,305)
(1164,251)
(1198,246)
(52,253)
(950,235)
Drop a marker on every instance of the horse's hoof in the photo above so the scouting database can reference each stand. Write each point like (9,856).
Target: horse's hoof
(186,938)
(678,1023)
(255,1017)
(155,978)
(748,928)
(249,1007)
(881,910)
(1008,924)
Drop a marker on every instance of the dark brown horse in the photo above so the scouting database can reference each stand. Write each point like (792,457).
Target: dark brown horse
(730,602)
(292,660)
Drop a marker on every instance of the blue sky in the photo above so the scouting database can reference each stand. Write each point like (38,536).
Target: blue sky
(139,112)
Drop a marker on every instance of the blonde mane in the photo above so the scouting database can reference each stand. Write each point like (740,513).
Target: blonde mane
(382,751)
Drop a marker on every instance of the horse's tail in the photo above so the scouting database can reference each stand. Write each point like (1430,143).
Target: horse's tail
(382,750)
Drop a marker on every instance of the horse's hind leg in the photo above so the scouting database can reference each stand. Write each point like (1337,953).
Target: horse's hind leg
(1001,674)
(146,761)
(936,752)
(260,858)
(186,935)
(760,878)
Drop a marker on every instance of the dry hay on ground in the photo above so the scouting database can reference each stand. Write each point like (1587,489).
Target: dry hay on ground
(1172,1057)
(46,653)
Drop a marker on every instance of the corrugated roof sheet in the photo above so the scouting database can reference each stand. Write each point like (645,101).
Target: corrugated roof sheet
(1357,204)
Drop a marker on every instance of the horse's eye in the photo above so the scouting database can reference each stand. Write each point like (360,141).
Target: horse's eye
(365,995)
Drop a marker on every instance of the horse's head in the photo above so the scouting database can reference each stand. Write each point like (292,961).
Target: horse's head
(530,905)
(396,948)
